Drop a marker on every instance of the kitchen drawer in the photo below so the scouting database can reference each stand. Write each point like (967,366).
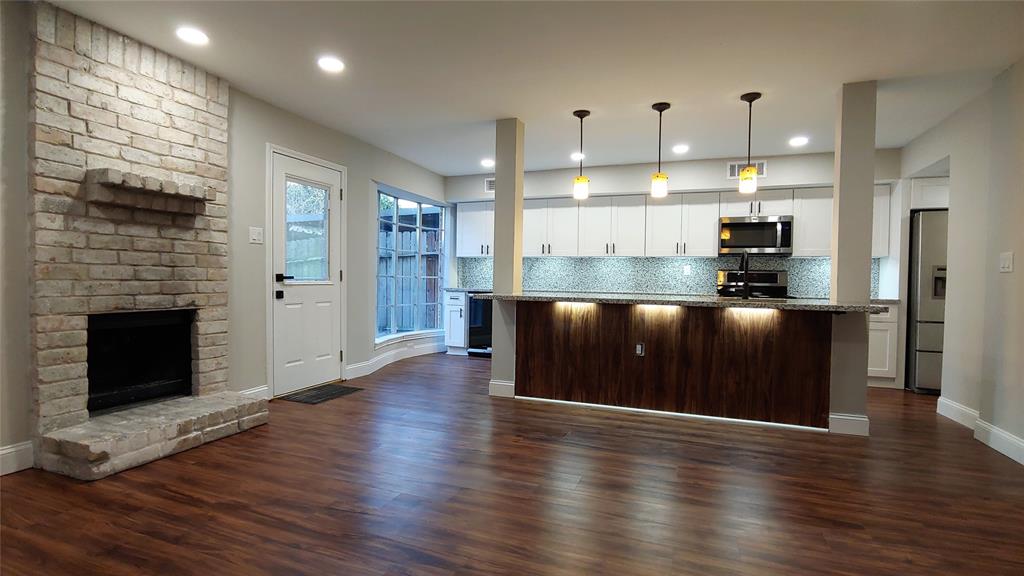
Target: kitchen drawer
(455,298)
(890,315)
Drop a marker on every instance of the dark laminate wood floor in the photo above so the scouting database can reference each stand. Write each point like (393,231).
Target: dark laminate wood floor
(423,473)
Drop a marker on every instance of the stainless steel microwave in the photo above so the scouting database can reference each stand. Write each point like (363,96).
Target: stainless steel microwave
(755,235)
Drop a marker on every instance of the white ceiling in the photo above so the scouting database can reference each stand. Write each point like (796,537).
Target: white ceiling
(426,80)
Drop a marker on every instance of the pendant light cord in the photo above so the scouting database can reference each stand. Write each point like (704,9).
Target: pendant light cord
(581,146)
(750,115)
(659,140)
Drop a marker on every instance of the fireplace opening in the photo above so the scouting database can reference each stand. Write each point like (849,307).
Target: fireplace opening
(139,356)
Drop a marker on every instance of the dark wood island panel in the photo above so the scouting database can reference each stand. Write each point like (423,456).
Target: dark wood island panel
(752,364)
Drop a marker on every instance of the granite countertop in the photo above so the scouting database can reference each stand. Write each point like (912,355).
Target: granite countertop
(685,300)
(473,290)
(885,301)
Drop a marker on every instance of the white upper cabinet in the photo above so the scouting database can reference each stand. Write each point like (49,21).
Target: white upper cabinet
(664,227)
(550,227)
(629,225)
(700,224)
(763,203)
(734,204)
(475,229)
(535,227)
(773,203)
(880,222)
(812,222)
(596,226)
(613,226)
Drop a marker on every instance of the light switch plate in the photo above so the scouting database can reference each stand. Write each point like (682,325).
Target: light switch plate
(255,235)
(1006,262)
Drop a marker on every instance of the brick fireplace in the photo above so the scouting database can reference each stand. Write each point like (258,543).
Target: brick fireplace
(128,150)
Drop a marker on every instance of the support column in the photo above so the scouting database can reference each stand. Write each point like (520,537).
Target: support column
(508,251)
(852,205)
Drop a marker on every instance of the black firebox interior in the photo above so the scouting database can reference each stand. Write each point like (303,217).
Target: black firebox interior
(139,356)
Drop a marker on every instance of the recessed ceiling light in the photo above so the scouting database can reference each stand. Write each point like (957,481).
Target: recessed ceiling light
(193,36)
(330,64)
(798,141)
(577,156)
(487,163)
(680,149)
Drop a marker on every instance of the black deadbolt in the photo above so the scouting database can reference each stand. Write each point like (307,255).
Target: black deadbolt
(279,294)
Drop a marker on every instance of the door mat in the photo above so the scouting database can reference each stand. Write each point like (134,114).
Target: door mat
(320,394)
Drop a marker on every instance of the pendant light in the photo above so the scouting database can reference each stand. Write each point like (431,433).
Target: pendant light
(748,175)
(581,184)
(659,180)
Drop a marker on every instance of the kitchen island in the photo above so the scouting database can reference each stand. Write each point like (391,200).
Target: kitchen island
(762,360)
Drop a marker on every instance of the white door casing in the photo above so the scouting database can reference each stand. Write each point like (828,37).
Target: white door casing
(306,324)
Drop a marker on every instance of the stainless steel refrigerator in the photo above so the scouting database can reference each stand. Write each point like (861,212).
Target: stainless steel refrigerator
(927,299)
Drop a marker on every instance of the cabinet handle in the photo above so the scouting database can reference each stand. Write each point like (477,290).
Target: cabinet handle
(751,207)
(481,248)
(605,247)
(541,248)
(613,247)
(677,247)
(460,312)
(488,248)
(758,206)
(549,249)
(684,247)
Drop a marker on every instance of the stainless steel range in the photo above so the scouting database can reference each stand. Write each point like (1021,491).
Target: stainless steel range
(763,283)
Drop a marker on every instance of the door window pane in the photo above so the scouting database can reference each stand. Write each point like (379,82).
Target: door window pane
(407,239)
(306,231)
(408,212)
(432,216)
(432,241)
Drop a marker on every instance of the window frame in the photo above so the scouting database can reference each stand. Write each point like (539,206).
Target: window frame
(418,279)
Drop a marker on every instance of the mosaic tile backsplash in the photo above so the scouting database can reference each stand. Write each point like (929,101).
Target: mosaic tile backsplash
(808,277)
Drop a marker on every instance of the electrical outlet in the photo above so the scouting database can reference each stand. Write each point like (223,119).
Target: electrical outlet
(255,235)
(640,349)
(1006,262)
(687,270)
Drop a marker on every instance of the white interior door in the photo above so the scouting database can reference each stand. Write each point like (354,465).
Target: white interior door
(307,246)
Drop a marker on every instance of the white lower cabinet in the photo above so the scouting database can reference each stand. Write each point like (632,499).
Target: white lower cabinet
(456,324)
(883,347)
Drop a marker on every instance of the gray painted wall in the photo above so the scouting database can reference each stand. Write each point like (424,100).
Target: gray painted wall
(15,425)
(254,123)
(983,364)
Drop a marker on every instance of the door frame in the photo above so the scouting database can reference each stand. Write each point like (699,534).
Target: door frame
(268,252)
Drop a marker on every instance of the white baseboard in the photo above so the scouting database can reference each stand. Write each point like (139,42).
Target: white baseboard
(259,391)
(999,440)
(957,412)
(852,424)
(877,382)
(16,457)
(502,388)
(393,353)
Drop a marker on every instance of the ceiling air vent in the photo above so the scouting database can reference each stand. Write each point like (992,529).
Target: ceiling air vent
(489,185)
(735,167)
